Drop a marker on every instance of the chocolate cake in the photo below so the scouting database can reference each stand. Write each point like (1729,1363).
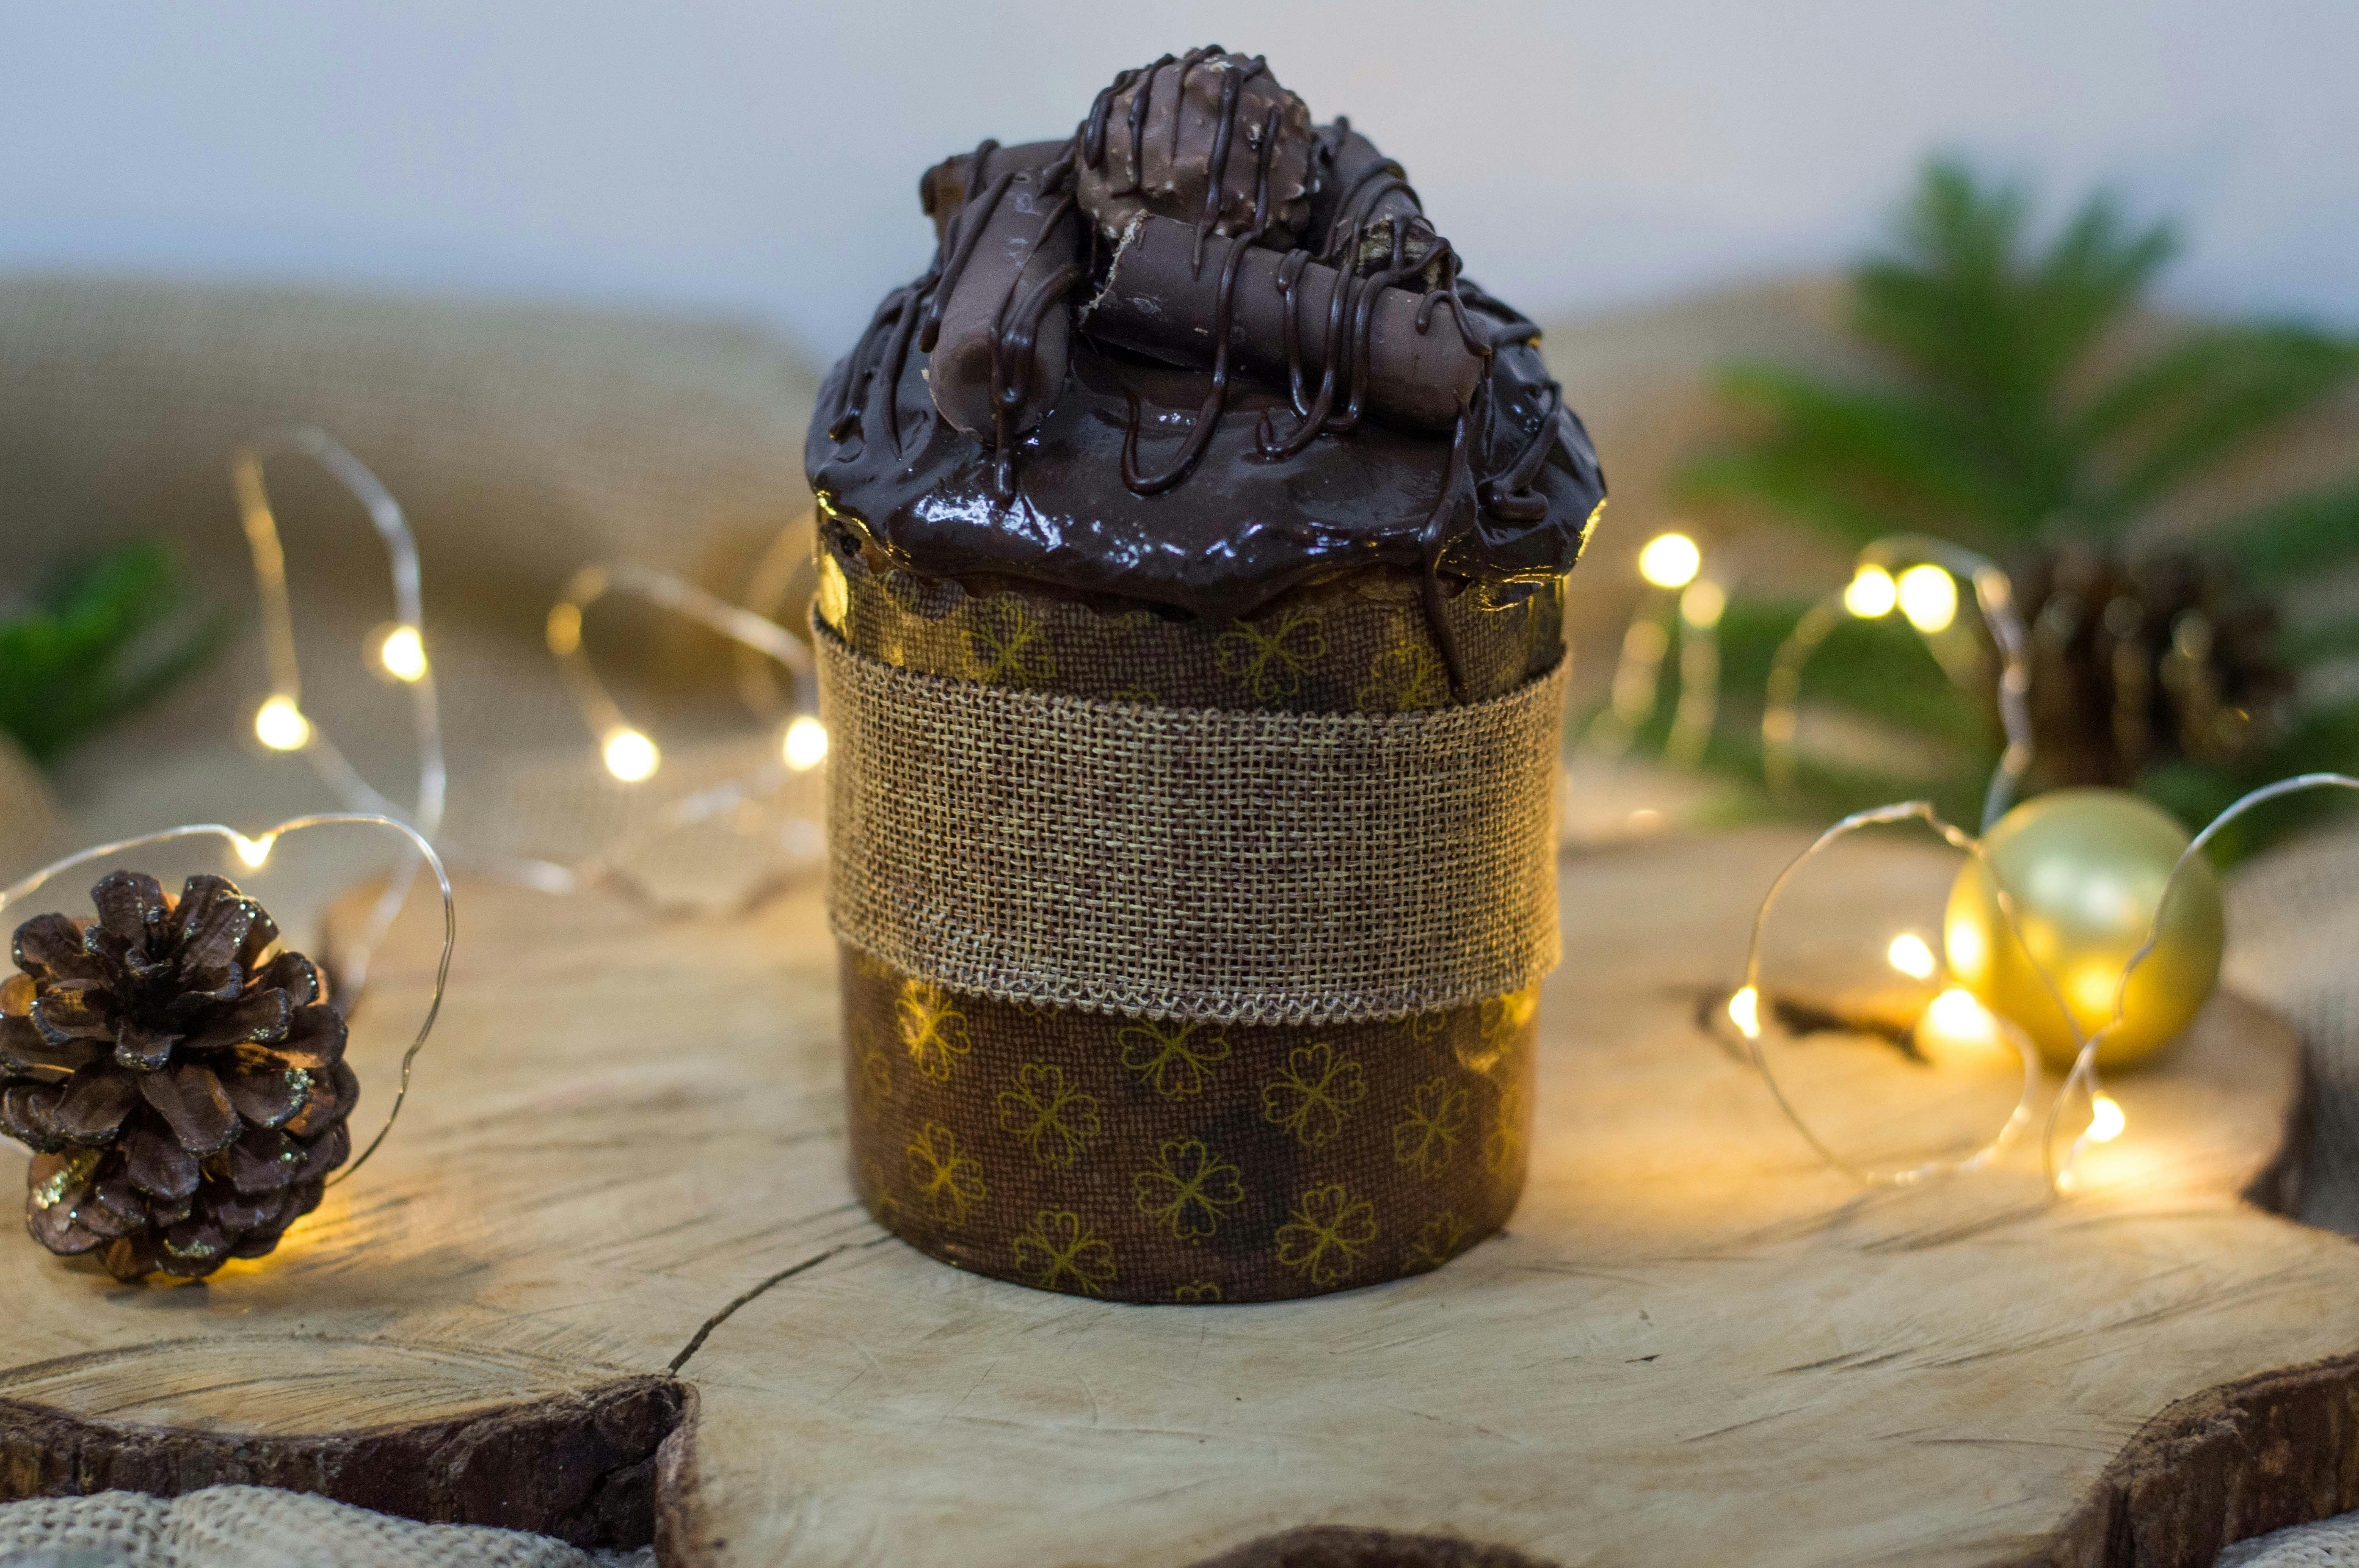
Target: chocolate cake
(1193,416)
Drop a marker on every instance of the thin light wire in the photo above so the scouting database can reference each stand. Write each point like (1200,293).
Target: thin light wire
(2084,1064)
(327,760)
(244,846)
(1993,599)
(2083,1080)
(1637,676)
(788,559)
(1698,710)
(740,625)
(2025,1105)
(603,716)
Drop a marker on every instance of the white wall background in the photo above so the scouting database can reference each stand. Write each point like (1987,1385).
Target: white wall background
(763,159)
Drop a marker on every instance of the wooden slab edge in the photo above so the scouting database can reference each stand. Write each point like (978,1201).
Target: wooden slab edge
(2235,1462)
(578,1466)
(1340,1546)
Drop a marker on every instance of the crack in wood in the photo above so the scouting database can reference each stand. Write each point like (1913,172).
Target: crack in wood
(704,1331)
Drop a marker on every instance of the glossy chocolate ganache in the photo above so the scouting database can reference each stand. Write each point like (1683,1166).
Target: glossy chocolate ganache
(1197,354)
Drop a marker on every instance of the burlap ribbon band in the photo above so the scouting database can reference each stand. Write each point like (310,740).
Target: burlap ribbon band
(1191,864)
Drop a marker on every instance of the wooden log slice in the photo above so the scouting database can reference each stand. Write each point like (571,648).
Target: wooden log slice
(618,1201)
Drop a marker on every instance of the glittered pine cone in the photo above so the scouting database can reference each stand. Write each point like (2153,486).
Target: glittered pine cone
(2138,663)
(184,1092)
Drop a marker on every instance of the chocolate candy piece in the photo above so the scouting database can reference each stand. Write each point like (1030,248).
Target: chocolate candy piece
(1182,139)
(998,332)
(1359,188)
(944,188)
(1157,302)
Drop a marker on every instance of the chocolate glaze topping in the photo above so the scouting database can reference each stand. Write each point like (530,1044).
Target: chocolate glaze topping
(1195,354)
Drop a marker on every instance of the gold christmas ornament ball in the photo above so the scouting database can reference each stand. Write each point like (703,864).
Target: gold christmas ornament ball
(2087,869)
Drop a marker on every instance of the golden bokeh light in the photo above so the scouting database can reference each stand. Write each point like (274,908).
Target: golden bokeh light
(1670,560)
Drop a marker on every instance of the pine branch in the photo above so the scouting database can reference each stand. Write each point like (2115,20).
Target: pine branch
(1965,306)
(2207,399)
(2316,644)
(2302,537)
(1857,462)
(101,640)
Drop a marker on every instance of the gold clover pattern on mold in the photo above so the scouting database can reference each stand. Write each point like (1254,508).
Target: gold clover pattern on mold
(877,1188)
(1503,1141)
(949,1183)
(1426,1139)
(933,1031)
(1056,1252)
(1323,1237)
(1051,1118)
(1438,1241)
(1314,1093)
(1189,1190)
(1006,646)
(1175,1058)
(1403,678)
(1267,659)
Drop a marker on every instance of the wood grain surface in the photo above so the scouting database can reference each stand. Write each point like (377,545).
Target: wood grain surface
(1696,1343)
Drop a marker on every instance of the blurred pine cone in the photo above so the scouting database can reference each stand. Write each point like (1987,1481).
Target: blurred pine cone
(184,1097)
(2138,663)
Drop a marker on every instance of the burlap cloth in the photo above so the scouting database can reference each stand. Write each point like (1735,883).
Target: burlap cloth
(522,441)
(259,1527)
(1200,864)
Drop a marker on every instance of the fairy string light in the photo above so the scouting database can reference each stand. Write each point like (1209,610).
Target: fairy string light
(1669,564)
(1956,1013)
(1916,575)
(778,581)
(1912,957)
(281,722)
(628,753)
(2109,1122)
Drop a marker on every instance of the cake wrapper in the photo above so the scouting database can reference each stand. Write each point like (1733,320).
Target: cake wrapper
(1184,1159)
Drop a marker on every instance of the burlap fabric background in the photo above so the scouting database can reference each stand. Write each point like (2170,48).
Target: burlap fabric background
(521,440)
(1186,1161)
(258,1527)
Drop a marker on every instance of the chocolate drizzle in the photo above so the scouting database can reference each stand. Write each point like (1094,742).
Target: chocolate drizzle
(1347,401)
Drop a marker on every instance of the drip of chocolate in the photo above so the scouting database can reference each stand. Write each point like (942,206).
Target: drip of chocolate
(1195,353)
(995,331)
(1287,321)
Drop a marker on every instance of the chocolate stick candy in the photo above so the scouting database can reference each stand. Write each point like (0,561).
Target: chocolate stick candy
(1158,303)
(997,331)
(1364,189)
(944,188)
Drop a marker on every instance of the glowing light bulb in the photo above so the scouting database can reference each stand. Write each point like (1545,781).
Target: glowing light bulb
(403,654)
(252,851)
(1872,593)
(1670,560)
(280,725)
(806,744)
(564,629)
(1910,955)
(1956,1015)
(630,755)
(1745,1012)
(1703,604)
(1928,597)
(2106,1121)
